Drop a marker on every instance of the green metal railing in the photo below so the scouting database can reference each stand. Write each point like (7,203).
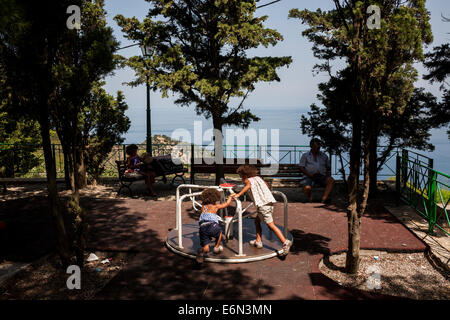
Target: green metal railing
(424,189)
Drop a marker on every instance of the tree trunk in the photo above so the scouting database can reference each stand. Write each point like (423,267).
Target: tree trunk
(78,212)
(354,223)
(344,178)
(218,149)
(55,208)
(81,168)
(67,171)
(354,233)
(373,165)
(367,157)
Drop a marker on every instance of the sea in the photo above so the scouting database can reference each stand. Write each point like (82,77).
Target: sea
(284,121)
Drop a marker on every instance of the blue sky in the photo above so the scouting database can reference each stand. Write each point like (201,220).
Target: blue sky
(298,86)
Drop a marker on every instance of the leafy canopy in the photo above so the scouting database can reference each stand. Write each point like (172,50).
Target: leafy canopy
(200,53)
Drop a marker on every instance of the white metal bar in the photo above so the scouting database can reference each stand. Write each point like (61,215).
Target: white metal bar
(285,210)
(179,220)
(176,213)
(240,234)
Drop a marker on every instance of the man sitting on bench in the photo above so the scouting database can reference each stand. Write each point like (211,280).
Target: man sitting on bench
(316,168)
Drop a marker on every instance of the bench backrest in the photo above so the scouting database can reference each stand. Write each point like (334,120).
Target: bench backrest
(287,170)
(166,163)
(230,165)
(121,167)
(169,166)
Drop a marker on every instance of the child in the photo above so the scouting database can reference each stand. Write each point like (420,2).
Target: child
(263,200)
(209,222)
(134,164)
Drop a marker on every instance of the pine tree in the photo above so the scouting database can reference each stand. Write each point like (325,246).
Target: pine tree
(380,63)
(200,54)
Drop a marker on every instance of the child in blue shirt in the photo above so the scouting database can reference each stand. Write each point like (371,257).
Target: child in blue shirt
(209,222)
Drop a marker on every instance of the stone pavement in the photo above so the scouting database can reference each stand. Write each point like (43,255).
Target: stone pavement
(439,242)
(157,273)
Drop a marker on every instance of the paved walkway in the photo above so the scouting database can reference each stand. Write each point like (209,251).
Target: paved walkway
(439,242)
(157,273)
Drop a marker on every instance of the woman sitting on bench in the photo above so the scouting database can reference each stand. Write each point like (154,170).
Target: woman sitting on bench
(134,164)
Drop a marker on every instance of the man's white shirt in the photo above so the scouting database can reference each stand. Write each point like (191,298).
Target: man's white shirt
(312,165)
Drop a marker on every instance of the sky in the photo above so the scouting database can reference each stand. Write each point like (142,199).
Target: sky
(290,97)
(298,86)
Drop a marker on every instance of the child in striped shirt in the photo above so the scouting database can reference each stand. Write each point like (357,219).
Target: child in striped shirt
(209,222)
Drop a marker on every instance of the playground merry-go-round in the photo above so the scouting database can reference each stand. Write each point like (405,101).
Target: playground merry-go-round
(237,224)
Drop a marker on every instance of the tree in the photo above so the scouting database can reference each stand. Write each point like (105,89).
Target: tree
(405,127)
(18,138)
(438,63)
(29,34)
(200,54)
(85,57)
(331,123)
(51,71)
(379,62)
(104,124)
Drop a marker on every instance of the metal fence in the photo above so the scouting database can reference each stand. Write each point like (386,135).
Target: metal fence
(27,161)
(424,189)
(417,183)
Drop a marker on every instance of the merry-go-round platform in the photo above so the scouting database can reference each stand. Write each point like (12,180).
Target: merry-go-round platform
(238,225)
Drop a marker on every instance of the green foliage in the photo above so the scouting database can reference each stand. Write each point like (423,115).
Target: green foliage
(29,40)
(86,57)
(380,75)
(105,122)
(200,54)
(331,122)
(378,80)
(381,58)
(18,138)
(19,142)
(438,63)
(49,72)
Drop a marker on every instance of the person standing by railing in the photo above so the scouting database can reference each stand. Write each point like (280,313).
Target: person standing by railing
(315,165)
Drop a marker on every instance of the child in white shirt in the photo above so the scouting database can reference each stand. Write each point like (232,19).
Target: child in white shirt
(263,199)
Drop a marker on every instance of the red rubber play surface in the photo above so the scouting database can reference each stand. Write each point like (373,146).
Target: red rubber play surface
(157,273)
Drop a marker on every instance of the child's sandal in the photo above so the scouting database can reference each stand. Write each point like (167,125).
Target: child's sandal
(256,244)
(217,250)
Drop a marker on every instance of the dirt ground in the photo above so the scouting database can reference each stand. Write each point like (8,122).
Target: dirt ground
(408,275)
(46,279)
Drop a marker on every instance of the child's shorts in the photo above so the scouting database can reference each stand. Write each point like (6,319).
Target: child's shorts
(208,231)
(265,213)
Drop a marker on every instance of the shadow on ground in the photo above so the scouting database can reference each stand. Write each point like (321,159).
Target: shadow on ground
(29,229)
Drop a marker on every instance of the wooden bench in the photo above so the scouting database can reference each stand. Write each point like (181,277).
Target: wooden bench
(168,167)
(230,165)
(288,174)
